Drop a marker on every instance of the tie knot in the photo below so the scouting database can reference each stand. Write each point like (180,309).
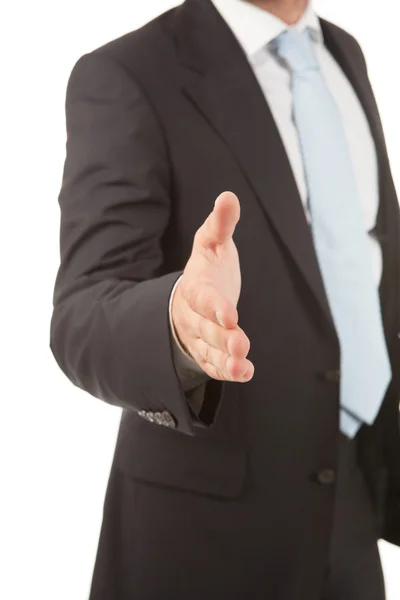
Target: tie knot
(296,49)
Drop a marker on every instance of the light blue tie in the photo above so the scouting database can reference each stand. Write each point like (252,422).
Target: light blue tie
(340,239)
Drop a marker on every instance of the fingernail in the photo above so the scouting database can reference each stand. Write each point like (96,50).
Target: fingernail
(220,319)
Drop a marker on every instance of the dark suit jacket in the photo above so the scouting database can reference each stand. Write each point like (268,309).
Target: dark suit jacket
(159,123)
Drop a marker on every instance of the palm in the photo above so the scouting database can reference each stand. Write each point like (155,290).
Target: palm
(221,271)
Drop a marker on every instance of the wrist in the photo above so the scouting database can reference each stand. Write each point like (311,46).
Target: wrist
(173,313)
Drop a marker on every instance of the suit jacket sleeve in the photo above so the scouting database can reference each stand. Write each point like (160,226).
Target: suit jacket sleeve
(110,325)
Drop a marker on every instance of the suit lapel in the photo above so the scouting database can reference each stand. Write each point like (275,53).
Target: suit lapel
(220,82)
(352,65)
(387,230)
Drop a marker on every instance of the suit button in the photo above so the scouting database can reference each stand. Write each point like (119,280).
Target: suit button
(332,376)
(143,414)
(326,476)
(169,421)
(158,418)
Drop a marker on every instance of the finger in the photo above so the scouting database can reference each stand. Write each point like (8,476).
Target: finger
(233,342)
(239,370)
(220,223)
(228,367)
(207,302)
(234,370)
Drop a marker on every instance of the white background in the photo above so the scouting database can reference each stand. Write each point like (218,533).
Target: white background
(56,442)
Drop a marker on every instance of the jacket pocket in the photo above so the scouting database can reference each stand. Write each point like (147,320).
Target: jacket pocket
(161,456)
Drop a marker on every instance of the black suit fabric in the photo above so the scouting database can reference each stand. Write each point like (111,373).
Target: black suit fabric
(354,570)
(159,123)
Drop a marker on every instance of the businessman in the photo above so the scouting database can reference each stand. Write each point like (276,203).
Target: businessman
(230,277)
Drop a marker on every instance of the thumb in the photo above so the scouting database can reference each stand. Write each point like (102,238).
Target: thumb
(220,225)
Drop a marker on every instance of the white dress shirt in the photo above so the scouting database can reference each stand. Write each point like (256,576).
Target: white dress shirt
(254,29)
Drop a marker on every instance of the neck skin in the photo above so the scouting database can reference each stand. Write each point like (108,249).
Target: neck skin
(289,11)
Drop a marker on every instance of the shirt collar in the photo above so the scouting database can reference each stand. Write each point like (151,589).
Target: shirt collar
(255,27)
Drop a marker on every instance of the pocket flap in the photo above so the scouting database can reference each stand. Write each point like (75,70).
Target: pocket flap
(155,454)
